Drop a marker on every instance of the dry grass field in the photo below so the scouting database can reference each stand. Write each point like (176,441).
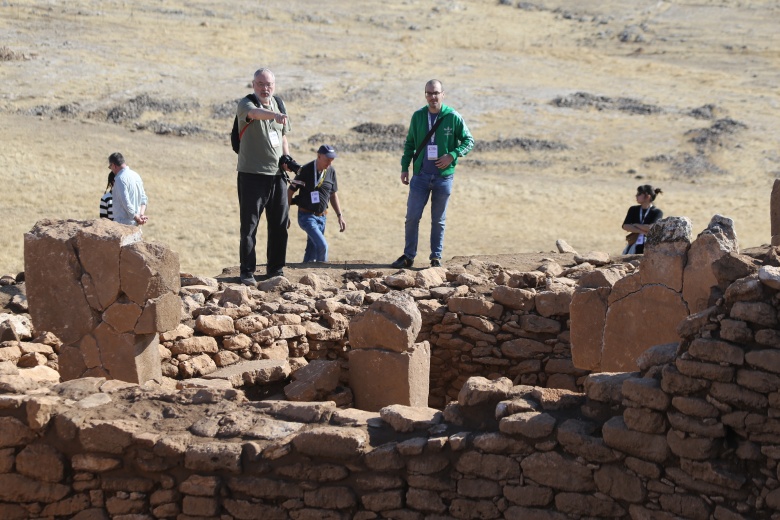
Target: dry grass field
(572,104)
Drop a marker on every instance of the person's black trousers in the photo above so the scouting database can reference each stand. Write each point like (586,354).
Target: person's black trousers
(255,194)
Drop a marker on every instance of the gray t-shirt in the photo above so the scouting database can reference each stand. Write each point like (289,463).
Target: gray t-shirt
(260,149)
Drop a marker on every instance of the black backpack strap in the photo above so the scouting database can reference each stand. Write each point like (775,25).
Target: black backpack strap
(280,104)
(253,98)
(425,140)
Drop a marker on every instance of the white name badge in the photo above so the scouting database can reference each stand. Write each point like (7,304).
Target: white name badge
(433,152)
(315,197)
(274,136)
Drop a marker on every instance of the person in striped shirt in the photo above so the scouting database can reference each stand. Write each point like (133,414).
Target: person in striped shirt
(107,200)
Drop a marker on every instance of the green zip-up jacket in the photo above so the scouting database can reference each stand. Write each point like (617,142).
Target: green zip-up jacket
(452,137)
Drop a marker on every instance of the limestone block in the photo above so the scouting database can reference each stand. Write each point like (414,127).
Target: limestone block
(637,322)
(98,245)
(215,325)
(553,470)
(644,446)
(53,280)
(601,278)
(40,462)
(260,371)
(379,378)
(214,456)
(745,289)
(20,489)
(733,266)
(19,324)
(625,286)
(332,442)
(104,436)
(554,301)
(533,425)
(407,418)
(715,242)
(392,323)
(760,313)
(159,314)
(774,209)
(475,306)
(664,264)
(313,381)
(14,433)
(588,313)
(148,270)
(122,316)
(195,345)
(480,390)
(514,298)
(134,358)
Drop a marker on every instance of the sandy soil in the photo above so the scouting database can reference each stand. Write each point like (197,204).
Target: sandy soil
(572,105)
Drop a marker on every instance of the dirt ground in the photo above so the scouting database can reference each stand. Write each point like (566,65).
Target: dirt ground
(572,106)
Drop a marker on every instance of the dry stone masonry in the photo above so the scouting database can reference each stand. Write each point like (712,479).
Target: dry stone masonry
(253,416)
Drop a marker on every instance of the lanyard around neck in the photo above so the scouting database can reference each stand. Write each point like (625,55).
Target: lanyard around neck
(317,183)
(642,217)
(430,125)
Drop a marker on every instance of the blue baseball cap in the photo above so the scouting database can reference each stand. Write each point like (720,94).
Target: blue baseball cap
(328,151)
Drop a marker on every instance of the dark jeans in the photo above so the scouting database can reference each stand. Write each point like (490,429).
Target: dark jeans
(255,194)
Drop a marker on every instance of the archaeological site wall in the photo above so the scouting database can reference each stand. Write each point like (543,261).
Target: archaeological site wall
(513,430)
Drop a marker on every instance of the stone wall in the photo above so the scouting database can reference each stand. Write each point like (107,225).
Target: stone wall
(492,324)
(617,315)
(692,434)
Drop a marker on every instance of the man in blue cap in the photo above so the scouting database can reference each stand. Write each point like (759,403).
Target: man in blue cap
(318,186)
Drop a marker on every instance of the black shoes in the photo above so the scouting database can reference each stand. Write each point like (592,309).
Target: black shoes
(435,262)
(272,274)
(247,279)
(402,263)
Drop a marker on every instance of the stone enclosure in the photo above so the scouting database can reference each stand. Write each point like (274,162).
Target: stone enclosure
(514,428)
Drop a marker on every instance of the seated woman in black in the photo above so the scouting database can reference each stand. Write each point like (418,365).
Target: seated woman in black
(641,218)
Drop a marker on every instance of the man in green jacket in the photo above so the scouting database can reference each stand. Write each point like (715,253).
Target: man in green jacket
(434,167)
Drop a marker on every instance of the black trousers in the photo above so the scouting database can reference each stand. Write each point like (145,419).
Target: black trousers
(255,194)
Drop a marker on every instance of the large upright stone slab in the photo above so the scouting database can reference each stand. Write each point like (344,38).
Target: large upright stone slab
(379,378)
(637,322)
(104,293)
(391,323)
(712,244)
(588,313)
(57,279)
(774,213)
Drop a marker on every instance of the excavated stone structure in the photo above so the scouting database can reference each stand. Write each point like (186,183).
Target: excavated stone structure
(690,434)
(616,316)
(104,293)
(386,366)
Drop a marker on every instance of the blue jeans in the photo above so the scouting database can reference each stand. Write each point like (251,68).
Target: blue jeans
(421,187)
(316,246)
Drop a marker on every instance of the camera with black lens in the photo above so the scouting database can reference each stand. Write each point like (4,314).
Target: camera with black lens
(289,162)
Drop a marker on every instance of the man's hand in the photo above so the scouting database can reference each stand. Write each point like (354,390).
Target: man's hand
(405,177)
(280,118)
(141,219)
(342,224)
(444,161)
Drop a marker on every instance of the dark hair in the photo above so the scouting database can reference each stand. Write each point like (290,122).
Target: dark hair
(646,189)
(110,184)
(116,159)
